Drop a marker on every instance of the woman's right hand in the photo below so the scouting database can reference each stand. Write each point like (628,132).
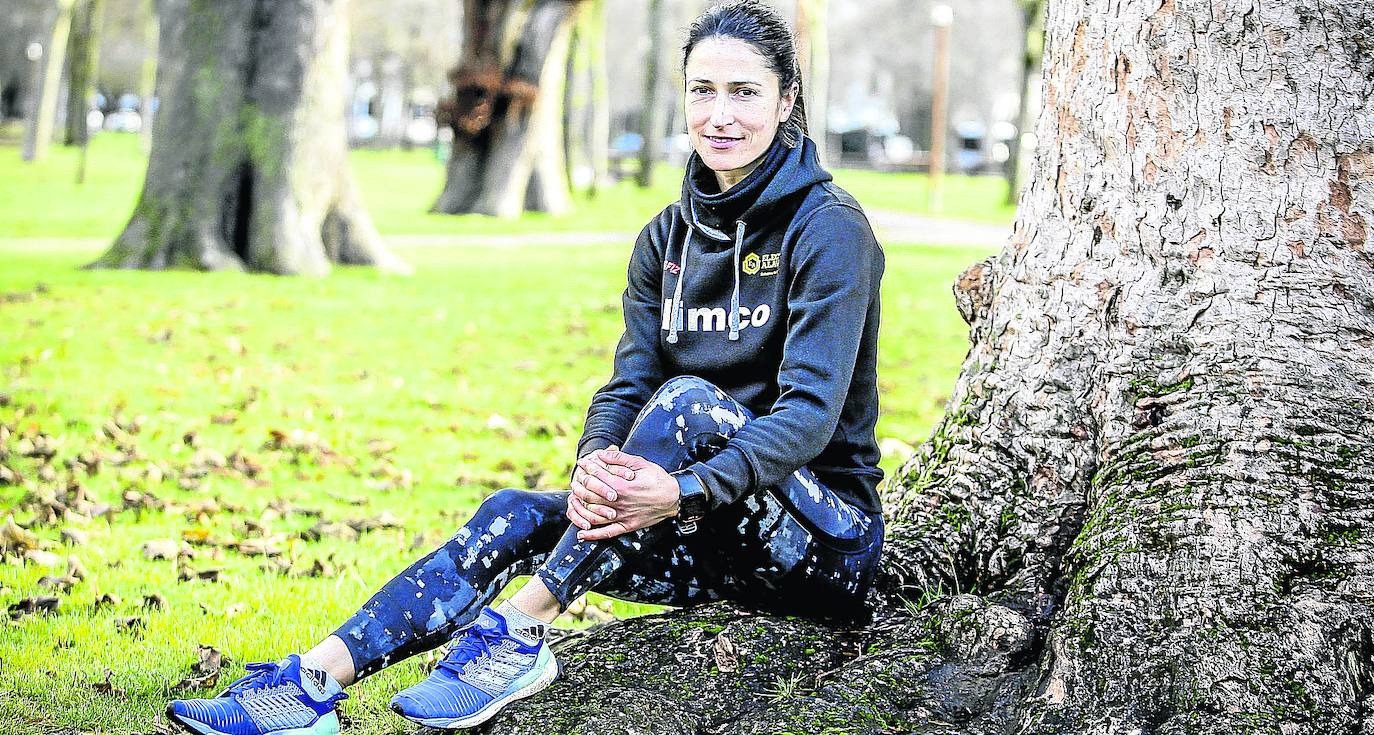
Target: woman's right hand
(587,508)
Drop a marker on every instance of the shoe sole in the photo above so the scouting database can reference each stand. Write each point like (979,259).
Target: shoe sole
(482,715)
(327,724)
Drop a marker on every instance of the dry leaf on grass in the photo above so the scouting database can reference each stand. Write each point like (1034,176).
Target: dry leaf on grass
(204,673)
(31,605)
(162,548)
(16,539)
(105,686)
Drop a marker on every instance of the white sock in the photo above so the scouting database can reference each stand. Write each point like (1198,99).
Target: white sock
(524,627)
(310,664)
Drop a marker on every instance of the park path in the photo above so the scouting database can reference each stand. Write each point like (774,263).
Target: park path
(891,227)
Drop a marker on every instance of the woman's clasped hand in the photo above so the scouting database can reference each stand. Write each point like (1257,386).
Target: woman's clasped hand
(615,492)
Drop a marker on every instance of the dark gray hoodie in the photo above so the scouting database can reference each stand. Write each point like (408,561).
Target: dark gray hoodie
(770,291)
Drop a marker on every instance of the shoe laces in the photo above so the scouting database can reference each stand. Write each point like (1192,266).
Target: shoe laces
(471,642)
(261,675)
(265,675)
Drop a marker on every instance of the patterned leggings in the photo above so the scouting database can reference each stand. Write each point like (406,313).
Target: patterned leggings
(796,548)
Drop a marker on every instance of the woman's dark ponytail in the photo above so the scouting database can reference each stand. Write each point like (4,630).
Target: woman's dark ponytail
(762,27)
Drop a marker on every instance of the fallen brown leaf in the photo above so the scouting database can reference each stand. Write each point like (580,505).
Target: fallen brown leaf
(205,672)
(106,687)
(727,655)
(31,605)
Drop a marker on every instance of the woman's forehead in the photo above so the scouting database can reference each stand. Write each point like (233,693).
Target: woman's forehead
(723,59)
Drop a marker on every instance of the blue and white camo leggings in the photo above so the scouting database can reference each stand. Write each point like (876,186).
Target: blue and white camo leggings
(796,548)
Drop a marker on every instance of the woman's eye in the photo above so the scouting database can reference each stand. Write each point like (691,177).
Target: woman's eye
(700,90)
(751,93)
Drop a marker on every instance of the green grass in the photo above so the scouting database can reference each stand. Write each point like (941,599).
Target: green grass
(399,186)
(422,363)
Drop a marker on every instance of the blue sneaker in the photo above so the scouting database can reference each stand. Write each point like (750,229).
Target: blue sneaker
(485,669)
(278,698)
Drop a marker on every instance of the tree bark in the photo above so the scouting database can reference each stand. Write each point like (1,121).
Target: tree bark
(249,166)
(507,110)
(1148,507)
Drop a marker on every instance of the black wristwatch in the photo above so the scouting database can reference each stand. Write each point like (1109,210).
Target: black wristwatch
(692,501)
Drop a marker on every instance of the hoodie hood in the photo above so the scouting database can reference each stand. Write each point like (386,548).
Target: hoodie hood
(721,218)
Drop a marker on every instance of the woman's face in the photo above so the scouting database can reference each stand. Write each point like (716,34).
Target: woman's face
(733,106)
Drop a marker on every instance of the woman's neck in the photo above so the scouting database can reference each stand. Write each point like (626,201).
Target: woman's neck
(727,179)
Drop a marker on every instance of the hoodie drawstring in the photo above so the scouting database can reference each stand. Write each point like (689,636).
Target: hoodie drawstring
(734,297)
(675,324)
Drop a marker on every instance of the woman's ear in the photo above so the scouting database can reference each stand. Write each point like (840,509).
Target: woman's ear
(788,101)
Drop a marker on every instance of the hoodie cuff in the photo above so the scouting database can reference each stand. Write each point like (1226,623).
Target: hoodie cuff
(591,444)
(727,476)
(588,445)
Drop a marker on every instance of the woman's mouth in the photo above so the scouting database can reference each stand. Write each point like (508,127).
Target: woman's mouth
(720,143)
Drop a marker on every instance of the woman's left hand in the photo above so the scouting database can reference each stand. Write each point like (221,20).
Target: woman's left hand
(651,497)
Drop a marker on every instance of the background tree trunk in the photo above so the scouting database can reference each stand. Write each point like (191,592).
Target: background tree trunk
(651,117)
(43,109)
(83,64)
(507,109)
(1032,49)
(147,78)
(1148,507)
(587,113)
(249,167)
(813,53)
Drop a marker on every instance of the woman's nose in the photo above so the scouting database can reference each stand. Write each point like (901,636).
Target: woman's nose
(721,114)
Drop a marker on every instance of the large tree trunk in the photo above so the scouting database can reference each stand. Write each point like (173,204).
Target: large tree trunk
(1152,486)
(507,109)
(249,166)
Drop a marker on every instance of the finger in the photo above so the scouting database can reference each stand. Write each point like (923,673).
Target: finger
(601,482)
(588,519)
(592,506)
(600,533)
(604,512)
(633,461)
(576,517)
(588,482)
(619,470)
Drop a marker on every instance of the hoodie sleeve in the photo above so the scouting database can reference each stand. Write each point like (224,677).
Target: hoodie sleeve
(638,369)
(835,267)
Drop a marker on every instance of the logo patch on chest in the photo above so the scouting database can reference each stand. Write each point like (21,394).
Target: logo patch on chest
(762,265)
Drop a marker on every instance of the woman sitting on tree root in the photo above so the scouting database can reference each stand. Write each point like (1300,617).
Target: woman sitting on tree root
(731,455)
